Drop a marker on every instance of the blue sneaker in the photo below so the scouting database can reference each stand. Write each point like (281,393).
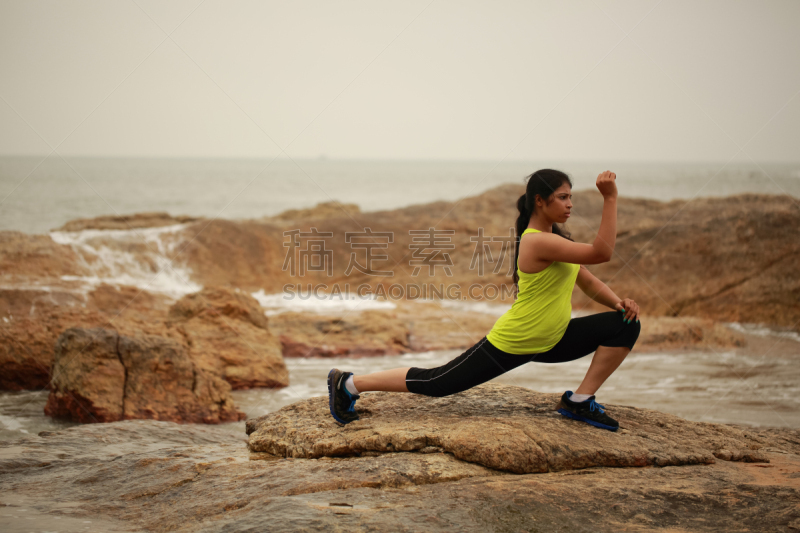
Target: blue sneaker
(340,401)
(588,411)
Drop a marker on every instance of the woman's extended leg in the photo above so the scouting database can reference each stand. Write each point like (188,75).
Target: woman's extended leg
(393,380)
(476,365)
(605,361)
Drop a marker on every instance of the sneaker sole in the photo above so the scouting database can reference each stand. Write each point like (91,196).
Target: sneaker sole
(331,375)
(582,419)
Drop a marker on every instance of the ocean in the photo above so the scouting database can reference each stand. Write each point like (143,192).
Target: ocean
(38,195)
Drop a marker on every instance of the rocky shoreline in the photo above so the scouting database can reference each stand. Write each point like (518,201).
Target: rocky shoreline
(659,472)
(52,284)
(146,320)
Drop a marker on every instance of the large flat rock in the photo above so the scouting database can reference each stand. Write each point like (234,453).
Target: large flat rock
(144,475)
(501,427)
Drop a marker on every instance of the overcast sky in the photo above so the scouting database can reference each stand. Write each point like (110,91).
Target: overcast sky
(639,80)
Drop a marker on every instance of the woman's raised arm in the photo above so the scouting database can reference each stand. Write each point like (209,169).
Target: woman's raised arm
(551,247)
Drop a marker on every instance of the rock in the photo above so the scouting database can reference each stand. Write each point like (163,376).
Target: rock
(243,254)
(126,303)
(321,210)
(88,377)
(501,427)
(730,259)
(32,321)
(685,333)
(227,335)
(123,222)
(201,478)
(351,335)
(223,330)
(101,376)
(27,342)
(24,258)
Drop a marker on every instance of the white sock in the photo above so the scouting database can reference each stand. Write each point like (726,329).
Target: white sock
(350,386)
(579,397)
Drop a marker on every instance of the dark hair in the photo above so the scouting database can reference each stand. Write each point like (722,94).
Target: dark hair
(543,182)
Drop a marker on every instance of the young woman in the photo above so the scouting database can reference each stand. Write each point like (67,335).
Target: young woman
(538,327)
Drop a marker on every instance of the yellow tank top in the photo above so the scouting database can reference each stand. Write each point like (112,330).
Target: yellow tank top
(540,314)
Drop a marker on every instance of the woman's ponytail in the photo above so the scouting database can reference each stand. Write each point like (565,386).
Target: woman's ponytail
(525,211)
(544,183)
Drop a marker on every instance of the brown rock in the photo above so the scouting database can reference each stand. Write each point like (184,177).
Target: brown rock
(24,257)
(138,220)
(100,376)
(244,254)
(501,427)
(88,377)
(226,333)
(685,333)
(730,259)
(321,210)
(433,326)
(32,321)
(163,383)
(27,343)
(353,335)
(201,478)
(122,302)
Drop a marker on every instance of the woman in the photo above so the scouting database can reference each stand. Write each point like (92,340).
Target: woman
(538,326)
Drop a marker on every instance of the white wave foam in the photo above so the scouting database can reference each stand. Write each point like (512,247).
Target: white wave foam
(11,424)
(281,303)
(763,331)
(477,307)
(107,255)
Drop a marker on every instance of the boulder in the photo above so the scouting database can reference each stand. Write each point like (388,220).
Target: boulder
(498,426)
(102,376)
(224,331)
(227,335)
(88,378)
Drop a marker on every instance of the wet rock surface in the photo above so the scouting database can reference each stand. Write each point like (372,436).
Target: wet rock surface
(158,476)
(102,376)
(501,427)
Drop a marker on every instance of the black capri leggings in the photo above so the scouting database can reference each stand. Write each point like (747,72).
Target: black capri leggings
(484,361)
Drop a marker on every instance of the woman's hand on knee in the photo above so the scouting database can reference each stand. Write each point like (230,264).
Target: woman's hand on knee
(630,308)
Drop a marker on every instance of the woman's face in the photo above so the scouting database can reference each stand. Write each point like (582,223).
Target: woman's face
(560,206)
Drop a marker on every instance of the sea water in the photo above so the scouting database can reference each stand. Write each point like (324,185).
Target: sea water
(41,194)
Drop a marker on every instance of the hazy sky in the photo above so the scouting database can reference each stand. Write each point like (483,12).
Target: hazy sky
(638,80)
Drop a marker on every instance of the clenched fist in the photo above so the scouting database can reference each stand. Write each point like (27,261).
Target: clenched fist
(607,184)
